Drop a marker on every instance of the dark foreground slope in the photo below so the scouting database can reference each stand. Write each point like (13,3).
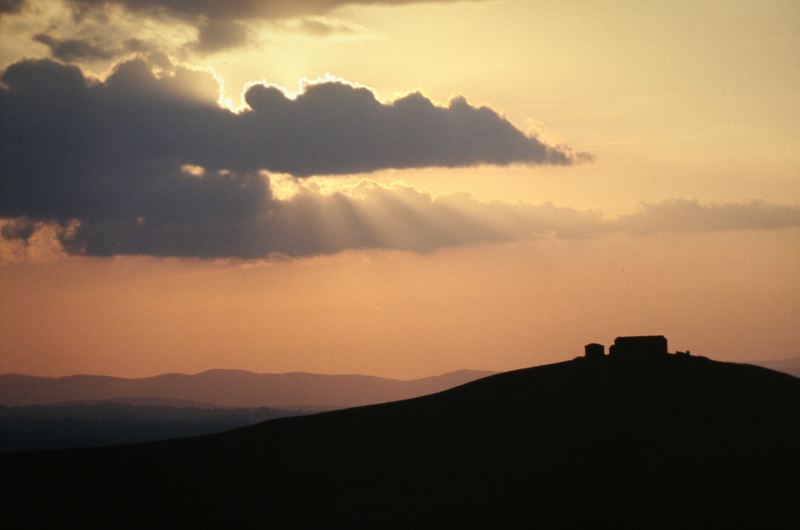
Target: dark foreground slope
(117,422)
(670,443)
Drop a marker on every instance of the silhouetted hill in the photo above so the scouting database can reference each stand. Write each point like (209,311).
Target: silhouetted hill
(120,421)
(617,443)
(230,388)
(788,366)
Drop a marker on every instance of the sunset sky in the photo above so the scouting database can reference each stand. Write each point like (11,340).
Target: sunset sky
(398,188)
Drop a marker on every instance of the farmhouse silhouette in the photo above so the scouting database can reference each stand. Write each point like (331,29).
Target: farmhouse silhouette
(642,346)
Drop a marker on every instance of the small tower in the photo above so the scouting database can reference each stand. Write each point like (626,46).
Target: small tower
(595,351)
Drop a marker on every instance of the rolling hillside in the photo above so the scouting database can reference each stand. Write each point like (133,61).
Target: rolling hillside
(618,443)
(115,422)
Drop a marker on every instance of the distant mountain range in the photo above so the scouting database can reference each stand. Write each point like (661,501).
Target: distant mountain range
(240,388)
(672,442)
(39,413)
(229,388)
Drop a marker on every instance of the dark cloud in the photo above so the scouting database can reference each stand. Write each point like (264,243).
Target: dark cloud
(222,24)
(146,164)
(238,9)
(72,147)
(20,229)
(336,128)
(8,7)
(370,216)
(75,49)
(216,35)
(310,223)
(153,165)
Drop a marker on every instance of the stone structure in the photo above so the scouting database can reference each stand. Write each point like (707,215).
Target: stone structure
(641,346)
(595,351)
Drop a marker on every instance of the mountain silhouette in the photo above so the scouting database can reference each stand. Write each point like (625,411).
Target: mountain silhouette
(229,388)
(666,442)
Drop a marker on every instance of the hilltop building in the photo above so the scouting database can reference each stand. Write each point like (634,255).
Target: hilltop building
(641,346)
(595,351)
(638,346)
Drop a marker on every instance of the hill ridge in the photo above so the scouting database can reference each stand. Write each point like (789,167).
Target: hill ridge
(619,443)
(223,387)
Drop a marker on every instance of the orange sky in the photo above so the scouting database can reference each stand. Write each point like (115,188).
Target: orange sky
(688,109)
(402,314)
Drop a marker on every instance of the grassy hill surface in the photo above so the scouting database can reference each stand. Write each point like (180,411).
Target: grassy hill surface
(665,443)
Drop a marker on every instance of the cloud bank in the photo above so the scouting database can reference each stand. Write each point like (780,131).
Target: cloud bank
(238,9)
(680,215)
(9,7)
(74,147)
(217,25)
(146,162)
(84,49)
(370,216)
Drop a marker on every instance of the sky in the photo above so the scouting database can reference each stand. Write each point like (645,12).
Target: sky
(398,188)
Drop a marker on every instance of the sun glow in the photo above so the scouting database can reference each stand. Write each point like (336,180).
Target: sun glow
(703,121)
